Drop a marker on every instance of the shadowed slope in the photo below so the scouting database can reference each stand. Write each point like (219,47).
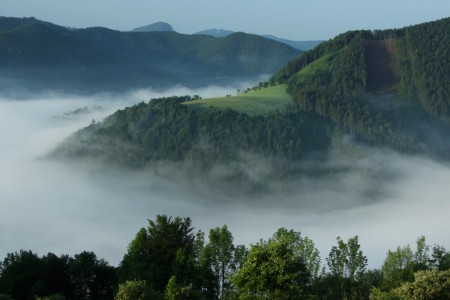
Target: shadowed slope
(380,64)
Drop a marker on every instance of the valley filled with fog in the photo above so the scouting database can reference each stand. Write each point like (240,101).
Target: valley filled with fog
(386,198)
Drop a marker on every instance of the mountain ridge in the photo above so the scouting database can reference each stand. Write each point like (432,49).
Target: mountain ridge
(300,45)
(49,56)
(158,26)
(219,33)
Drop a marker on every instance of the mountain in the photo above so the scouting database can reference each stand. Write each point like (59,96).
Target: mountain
(387,87)
(42,55)
(158,26)
(300,45)
(384,88)
(7,24)
(218,33)
(219,147)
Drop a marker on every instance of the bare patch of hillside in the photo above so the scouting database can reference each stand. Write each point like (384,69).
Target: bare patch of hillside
(380,62)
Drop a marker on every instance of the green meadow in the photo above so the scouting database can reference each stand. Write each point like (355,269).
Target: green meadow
(254,102)
(319,64)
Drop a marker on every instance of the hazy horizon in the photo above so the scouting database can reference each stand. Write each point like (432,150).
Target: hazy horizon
(290,19)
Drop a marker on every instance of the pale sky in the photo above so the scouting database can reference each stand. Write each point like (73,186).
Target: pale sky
(292,19)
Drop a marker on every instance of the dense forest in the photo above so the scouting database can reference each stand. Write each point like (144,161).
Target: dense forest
(166,130)
(170,260)
(388,87)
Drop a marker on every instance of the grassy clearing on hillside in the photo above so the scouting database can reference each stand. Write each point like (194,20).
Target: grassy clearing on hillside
(258,102)
(321,63)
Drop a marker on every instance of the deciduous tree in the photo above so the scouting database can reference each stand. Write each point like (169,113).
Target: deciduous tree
(272,270)
(427,285)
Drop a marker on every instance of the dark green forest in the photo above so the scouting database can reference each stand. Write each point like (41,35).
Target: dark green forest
(168,259)
(387,87)
(165,130)
(43,55)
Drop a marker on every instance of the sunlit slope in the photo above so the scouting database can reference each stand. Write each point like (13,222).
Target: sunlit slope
(254,102)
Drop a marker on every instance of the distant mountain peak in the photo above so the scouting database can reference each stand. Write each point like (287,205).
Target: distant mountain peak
(218,33)
(10,23)
(158,26)
(300,45)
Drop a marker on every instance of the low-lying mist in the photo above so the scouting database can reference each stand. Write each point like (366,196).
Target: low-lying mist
(386,198)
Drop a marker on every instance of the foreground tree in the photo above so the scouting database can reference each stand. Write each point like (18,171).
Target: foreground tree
(92,278)
(219,259)
(135,290)
(422,255)
(397,267)
(427,285)
(346,260)
(401,264)
(56,275)
(25,275)
(440,258)
(303,247)
(272,270)
(347,266)
(174,291)
(20,275)
(162,250)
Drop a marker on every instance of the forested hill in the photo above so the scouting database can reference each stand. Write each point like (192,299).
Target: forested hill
(44,54)
(201,141)
(376,86)
(388,86)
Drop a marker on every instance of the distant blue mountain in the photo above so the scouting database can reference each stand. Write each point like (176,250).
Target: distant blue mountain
(158,26)
(44,55)
(300,45)
(218,33)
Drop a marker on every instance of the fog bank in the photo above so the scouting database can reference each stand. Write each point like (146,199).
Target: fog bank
(386,198)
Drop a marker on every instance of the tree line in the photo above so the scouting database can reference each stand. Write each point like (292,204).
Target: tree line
(170,260)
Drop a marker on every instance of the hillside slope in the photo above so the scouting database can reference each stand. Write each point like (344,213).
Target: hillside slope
(300,45)
(218,145)
(386,87)
(52,56)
